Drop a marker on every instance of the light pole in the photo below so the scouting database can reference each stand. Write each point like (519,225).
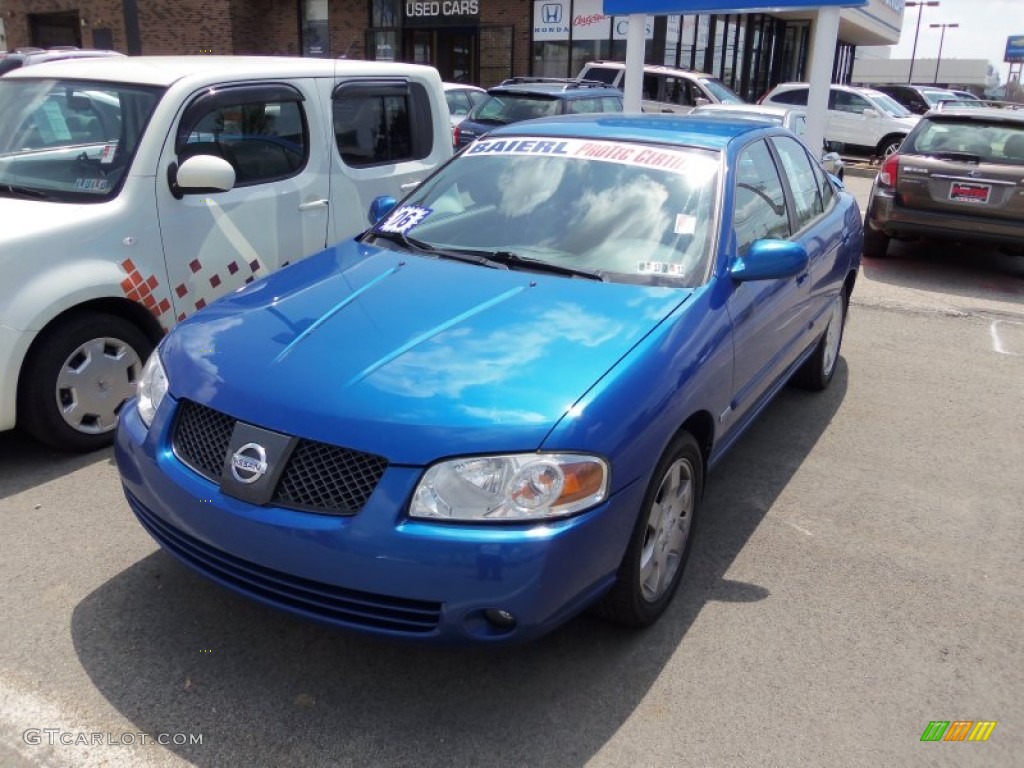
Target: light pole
(942,39)
(913,54)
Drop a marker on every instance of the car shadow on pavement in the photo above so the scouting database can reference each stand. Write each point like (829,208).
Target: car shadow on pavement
(957,269)
(176,654)
(25,464)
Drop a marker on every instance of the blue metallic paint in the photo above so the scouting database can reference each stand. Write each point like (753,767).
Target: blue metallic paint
(419,359)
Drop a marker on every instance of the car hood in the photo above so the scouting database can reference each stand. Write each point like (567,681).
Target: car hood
(407,356)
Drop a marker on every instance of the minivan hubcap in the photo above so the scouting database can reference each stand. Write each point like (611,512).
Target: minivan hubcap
(94,382)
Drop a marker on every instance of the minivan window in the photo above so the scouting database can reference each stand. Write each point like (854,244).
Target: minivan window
(70,140)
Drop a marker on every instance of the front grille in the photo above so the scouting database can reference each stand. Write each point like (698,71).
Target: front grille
(335,605)
(325,477)
(201,438)
(317,478)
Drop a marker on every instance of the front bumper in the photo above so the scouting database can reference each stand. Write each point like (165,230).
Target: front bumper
(377,571)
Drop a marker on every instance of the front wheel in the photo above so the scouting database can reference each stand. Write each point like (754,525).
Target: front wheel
(77,377)
(817,372)
(652,567)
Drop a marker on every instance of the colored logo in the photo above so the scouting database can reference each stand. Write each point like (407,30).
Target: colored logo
(551,13)
(246,467)
(958,730)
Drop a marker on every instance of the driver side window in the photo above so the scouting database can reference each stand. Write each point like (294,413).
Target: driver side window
(759,205)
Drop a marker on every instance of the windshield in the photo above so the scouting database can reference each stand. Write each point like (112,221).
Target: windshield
(889,104)
(513,107)
(721,91)
(628,212)
(69,140)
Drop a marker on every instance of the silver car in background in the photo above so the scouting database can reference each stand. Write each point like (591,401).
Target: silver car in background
(788,117)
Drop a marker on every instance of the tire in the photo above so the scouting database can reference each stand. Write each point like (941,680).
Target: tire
(77,377)
(817,371)
(653,565)
(888,146)
(876,243)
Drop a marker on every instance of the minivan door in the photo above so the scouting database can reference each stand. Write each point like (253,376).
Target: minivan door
(386,141)
(275,213)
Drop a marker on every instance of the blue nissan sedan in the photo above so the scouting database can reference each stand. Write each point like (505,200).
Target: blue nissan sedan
(499,405)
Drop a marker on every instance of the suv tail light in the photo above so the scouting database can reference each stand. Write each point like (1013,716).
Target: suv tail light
(455,136)
(887,177)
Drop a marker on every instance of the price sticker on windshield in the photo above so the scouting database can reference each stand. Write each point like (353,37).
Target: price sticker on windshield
(404,219)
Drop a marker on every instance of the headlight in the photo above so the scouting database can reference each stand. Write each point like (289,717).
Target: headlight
(152,388)
(529,486)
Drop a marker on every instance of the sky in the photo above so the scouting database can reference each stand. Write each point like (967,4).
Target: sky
(984,27)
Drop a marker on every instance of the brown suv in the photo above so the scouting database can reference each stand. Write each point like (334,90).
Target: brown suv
(959,175)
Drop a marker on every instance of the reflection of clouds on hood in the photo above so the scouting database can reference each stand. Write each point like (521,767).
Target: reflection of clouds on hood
(527,182)
(449,363)
(199,343)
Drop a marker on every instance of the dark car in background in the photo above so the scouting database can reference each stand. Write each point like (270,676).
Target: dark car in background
(525,98)
(23,57)
(918,98)
(957,176)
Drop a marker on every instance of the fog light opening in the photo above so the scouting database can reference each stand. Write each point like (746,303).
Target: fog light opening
(499,619)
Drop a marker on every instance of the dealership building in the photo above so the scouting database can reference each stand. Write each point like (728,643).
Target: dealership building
(475,41)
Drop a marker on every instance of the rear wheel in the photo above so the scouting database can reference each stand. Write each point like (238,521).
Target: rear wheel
(817,372)
(889,145)
(77,377)
(653,564)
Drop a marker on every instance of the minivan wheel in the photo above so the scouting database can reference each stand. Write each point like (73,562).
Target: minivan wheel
(77,377)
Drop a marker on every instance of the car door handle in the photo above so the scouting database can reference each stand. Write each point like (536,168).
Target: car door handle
(409,185)
(312,205)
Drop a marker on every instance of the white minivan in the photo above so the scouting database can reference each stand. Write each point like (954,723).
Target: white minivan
(134,191)
(665,89)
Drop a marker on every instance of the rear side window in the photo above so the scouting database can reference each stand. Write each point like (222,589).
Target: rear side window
(760,204)
(797,168)
(380,123)
(795,96)
(261,130)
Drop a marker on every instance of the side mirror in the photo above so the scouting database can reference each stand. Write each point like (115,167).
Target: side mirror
(201,173)
(381,207)
(769,260)
(700,101)
(869,112)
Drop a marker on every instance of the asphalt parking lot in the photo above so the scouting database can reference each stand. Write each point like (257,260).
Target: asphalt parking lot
(857,575)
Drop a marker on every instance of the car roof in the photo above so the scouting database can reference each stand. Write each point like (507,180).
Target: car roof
(165,70)
(779,110)
(462,87)
(563,89)
(657,68)
(982,114)
(703,132)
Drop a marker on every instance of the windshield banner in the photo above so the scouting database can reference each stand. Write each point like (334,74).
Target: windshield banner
(608,151)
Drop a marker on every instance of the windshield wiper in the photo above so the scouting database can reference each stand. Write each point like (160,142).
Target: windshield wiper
(470,257)
(511,259)
(17,191)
